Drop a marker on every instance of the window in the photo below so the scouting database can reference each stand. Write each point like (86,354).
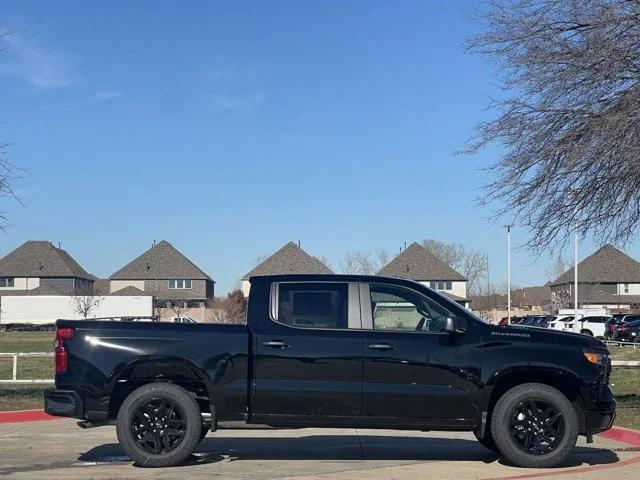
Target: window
(626,288)
(440,285)
(6,281)
(313,305)
(397,308)
(180,284)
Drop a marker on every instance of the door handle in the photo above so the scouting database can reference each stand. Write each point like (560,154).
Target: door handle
(381,346)
(275,344)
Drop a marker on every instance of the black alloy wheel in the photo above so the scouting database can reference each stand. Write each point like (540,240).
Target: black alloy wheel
(537,427)
(158,426)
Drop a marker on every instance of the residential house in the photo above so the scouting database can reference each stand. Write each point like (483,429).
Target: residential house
(524,301)
(290,259)
(607,278)
(177,284)
(419,264)
(40,268)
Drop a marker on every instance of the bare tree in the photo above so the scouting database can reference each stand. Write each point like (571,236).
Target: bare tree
(85,305)
(559,266)
(362,262)
(568,120)
(8,172)
(470,263)
(231,309)
(324,260)
(176,307)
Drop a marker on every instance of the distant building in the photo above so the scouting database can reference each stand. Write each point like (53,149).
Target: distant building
(524,301)
(40,268)
(165,273)
(419,264)
(290,259)
(607,278)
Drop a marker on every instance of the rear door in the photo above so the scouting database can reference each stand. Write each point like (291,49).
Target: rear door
(415,373)
(308,355)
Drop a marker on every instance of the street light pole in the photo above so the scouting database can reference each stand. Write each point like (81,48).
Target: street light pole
(508,226)
(575,273)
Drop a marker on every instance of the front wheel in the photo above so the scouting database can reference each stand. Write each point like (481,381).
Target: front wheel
(534,425)
(159,425)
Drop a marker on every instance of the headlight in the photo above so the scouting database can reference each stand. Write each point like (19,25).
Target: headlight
(595,358)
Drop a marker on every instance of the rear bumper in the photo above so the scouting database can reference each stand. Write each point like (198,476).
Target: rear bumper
(63,403)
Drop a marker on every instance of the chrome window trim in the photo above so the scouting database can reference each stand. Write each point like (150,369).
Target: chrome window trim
(365,306)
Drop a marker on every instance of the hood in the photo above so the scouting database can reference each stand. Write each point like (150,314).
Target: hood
(547,335)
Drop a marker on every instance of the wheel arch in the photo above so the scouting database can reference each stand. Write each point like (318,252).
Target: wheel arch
(563,380)
(159,368)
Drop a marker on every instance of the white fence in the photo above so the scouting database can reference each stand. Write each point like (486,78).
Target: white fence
(14,371)
(16,356)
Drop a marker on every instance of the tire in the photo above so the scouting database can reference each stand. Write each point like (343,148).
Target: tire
(487,441)
(587,332)
(203,433)
(513,412)
(177,412)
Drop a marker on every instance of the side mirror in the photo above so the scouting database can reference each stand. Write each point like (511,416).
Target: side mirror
(455,325)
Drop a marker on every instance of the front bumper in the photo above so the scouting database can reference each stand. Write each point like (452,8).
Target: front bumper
(601,417)
(63,403)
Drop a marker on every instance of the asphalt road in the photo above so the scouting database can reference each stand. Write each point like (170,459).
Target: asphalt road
(60,450)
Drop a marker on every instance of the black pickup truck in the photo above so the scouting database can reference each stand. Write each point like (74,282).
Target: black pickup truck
(334,351)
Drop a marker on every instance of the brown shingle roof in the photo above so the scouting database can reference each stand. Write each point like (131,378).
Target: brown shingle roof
(128,291)
(101,286)
(289,259)
(418,263)
(606,265)
(37,258)
(41,290)
(162,262)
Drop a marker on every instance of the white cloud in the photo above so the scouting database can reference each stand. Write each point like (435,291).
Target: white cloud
(108,95)
(37,65)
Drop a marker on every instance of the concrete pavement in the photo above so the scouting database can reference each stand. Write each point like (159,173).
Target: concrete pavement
(59,449)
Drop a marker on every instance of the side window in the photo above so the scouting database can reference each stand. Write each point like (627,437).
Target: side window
(400,309)
(313,305)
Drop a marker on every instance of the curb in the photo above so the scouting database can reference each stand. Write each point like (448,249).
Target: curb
(624,435)
(19,416)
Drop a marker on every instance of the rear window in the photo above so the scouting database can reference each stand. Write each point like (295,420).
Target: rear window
(313,305)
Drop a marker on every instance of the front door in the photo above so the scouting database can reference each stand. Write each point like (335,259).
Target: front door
(414,371)
(308,355)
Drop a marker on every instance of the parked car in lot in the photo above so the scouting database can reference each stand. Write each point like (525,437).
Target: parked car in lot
(514,320)
(618,322)
(594,326)
(183,320)
(562,322)
(627,332)
(335,351)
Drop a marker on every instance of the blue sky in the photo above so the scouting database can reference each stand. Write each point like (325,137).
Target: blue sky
(230,128)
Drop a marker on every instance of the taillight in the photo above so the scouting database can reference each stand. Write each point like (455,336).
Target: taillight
(61,355)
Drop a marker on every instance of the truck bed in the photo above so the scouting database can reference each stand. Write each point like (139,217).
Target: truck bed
(108,359)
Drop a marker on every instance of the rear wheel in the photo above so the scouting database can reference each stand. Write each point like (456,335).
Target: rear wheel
(534,425)
(159,425)
(587,332)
